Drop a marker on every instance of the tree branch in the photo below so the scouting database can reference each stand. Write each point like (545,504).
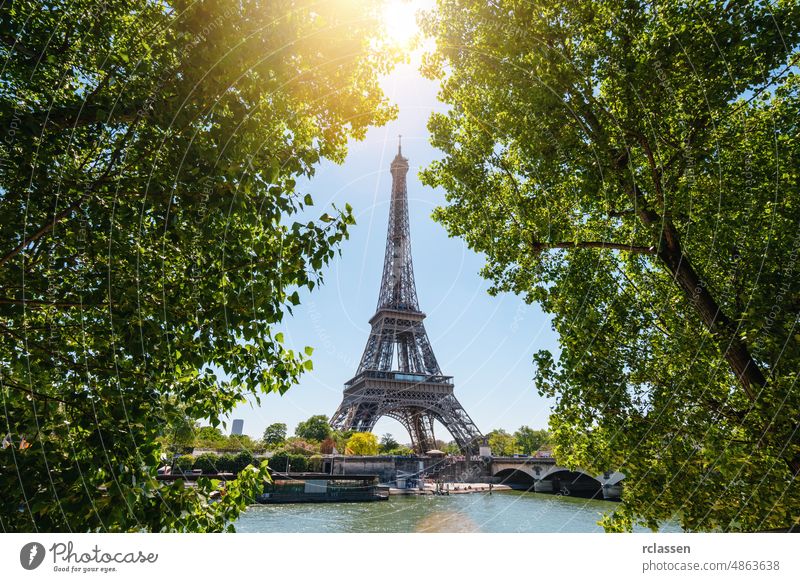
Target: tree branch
(7,301)
(33,394)
(88,191)
(42,231)
(12,43)
(621,213)
(78,115)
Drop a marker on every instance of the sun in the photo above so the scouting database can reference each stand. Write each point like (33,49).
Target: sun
(400,20)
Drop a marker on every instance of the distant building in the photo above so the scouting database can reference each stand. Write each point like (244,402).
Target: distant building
(238,426)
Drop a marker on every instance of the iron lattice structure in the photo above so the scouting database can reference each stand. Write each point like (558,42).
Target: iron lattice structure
(399,376)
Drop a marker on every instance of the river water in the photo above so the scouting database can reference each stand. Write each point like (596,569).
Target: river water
(506,511)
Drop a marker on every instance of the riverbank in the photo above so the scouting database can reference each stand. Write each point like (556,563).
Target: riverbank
(450,488)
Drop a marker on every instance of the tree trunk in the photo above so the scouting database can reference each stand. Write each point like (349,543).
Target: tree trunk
(736,352)
(747,371)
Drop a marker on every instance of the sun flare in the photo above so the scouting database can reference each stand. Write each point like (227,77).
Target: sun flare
(400,20)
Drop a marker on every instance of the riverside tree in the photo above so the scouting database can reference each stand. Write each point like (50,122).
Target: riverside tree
(362,443)
(501,443)
(149,162)
(529,440)
(275,434)
(632,166)
(388,443)
(316,428)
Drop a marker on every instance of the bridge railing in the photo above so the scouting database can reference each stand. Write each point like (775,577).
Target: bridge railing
(523,460)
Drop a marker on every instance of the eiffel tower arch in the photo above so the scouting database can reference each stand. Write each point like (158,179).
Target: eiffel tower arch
(399,376)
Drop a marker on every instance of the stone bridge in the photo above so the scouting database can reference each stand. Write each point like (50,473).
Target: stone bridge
(545,476)
(542,475)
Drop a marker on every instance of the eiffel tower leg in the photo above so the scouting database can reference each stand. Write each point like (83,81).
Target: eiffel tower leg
(340,417)
(360,417)
(458,423)
(427,422)
(420,428)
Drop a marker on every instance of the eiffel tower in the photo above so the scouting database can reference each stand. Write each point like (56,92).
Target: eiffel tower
(399,376)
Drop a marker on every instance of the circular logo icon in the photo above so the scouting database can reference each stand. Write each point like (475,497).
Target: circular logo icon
(31,555)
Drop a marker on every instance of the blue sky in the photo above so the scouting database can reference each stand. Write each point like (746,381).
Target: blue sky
(485,342)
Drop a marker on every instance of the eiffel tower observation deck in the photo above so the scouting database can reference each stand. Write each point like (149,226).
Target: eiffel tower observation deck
(399,376)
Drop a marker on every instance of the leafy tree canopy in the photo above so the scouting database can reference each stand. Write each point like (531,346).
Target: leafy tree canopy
(150,230)
(210,434)
(340,437)
(529,440)
(452,448)
(362,443)
(632,166)
(275,434)
(179,432)
(388,443)
(316,428)
(243,443)
(501,443)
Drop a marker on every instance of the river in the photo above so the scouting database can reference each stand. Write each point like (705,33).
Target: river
(501,512)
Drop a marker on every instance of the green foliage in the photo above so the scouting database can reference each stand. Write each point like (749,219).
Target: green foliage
(315,428)
(242,459)
(207,516)
(226,463)
(400,450)
(277,462)
(299,446)
(314,463)
(502,443)
(209,437)
(274,435)
(298,462)
(213,463)
(452,448)
(212,438)
(207,463)
(283,461)
(643,188)
(388,443)
(362,443)
(389,446)
(184,463)
(179,435)
(242,442)
(340,439)
(529,440)
(150,229)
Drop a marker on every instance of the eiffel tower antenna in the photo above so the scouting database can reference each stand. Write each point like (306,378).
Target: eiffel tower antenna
(399,376)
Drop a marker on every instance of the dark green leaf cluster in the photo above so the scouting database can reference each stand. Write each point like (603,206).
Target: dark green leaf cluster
(213,463)
(151,235)
(633,166)
(283,461)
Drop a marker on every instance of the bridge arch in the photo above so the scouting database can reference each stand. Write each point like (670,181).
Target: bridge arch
(515,478)
(573,483)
